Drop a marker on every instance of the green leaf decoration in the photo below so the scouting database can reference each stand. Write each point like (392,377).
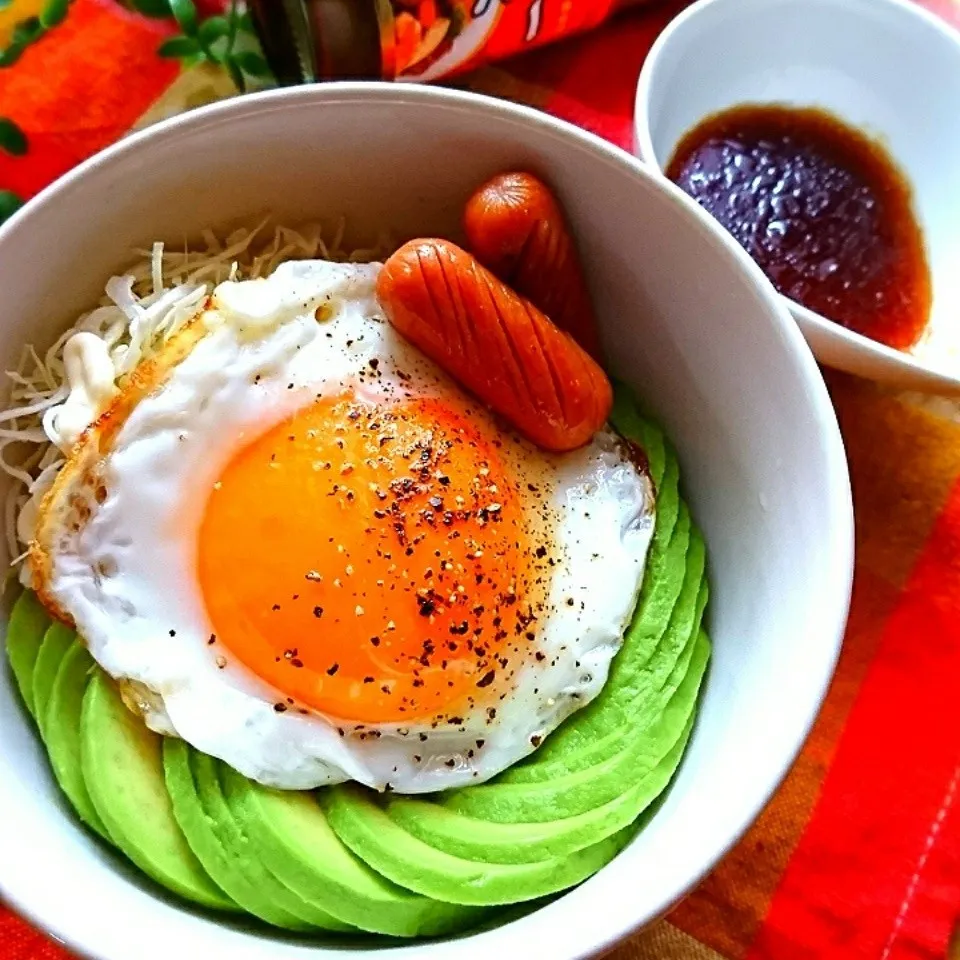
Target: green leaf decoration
(11,55)
(27,31)
(222,40)
(54,12)
(213,29)
(186,15)
(252,63)
(10,203)
(12,138)
(178,48)
(236,74)
(157,9)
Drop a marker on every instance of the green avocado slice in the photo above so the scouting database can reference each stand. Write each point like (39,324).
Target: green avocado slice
(28,623)
(630,423)
(364,826)
(509,843)
(587,789)
(62,725)
(634,686)
(123,771)
(575,745)
(204,841)
(611,743)
(238,851)
(56,643)
(290,831)
(575,792)
(662,585)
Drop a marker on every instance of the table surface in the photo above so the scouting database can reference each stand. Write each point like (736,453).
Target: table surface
(858,854)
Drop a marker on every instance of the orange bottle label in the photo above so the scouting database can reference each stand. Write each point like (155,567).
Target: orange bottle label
(427,39)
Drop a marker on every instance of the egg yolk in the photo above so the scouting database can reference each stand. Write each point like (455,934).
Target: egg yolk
(371,562)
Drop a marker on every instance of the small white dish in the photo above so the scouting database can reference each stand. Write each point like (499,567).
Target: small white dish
(886,66)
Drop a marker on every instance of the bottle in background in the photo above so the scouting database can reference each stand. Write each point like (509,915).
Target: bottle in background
(412,40)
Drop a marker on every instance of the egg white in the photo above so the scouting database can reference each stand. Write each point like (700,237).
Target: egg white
(127,576)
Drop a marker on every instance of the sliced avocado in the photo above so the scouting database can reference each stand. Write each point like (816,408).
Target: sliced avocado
(56,642)
(289,830)
(25,629)
(123,770)
(576,742)
(666,577)
(206,845)
(663,581)
(628,421)
(682,627)
(569,793)
(646,710)
(507,843)
(583,790)
(62,726)
(611,742)
(361,823)
(240,853)
(343,857)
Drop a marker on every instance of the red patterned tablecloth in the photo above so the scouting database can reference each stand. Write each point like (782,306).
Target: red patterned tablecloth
(858,855)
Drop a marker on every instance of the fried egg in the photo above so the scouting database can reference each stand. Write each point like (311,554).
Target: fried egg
(304,550)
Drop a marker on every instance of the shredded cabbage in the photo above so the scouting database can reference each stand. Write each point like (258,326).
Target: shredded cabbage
(141,310)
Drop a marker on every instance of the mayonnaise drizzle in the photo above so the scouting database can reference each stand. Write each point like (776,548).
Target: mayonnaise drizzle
(90,377)
(141,311)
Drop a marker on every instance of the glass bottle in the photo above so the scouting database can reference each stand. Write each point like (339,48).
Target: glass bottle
(310,40)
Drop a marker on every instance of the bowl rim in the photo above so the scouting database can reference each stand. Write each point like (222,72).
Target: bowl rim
(837,491)
(883,358)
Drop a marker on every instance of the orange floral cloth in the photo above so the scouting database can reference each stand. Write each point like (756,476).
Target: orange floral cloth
(858,854)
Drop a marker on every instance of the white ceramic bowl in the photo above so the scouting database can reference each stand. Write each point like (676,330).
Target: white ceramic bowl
(886,66)
(687,319)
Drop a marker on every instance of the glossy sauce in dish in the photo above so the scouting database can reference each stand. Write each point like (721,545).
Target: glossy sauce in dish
(820,207)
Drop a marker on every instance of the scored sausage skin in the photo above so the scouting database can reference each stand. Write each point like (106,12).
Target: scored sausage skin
(495,343)
(516,228)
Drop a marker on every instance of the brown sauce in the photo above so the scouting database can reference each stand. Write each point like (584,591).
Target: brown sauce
(822,209)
